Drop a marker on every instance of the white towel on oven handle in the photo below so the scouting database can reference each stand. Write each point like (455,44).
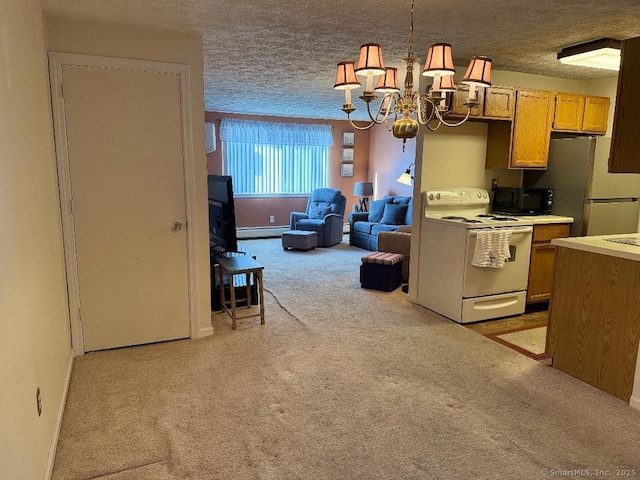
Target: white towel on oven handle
(492,248)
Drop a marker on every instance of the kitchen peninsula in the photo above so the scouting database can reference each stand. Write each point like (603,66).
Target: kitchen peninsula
(594,314)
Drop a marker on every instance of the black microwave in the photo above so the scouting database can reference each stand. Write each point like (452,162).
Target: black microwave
(522,201)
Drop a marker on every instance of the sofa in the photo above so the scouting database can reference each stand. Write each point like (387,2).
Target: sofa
(385,215)
(398,242)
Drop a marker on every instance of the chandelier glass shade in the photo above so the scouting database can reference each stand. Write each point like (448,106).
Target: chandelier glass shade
(402,111)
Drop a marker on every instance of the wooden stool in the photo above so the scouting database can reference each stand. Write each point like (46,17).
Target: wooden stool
(241,265)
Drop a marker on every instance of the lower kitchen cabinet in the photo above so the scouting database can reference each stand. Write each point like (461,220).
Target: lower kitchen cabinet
(543,260)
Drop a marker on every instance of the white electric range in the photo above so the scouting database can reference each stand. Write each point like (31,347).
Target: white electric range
(448,282)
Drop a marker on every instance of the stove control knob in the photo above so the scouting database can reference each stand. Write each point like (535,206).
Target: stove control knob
(479,195)
(484,194)
(438,196)
(431,196)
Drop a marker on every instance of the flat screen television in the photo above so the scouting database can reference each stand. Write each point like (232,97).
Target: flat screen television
(222,217)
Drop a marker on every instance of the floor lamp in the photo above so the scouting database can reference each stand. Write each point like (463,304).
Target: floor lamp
(364,190)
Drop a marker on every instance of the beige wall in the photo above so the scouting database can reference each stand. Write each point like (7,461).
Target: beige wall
(66,35)
(35,349)
(255,212)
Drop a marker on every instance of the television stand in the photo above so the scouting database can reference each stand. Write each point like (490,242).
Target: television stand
(239,281)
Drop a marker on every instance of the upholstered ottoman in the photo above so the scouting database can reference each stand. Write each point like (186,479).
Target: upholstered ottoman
(299,239)
(381,271)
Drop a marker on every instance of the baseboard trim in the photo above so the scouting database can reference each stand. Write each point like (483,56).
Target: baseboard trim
(56,434)
(205,332)
(261,232)
(634,402)
(269,232)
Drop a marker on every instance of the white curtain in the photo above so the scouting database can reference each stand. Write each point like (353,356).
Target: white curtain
(267,158)
(273,133)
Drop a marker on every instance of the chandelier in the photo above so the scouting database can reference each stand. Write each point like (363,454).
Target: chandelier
(429,109)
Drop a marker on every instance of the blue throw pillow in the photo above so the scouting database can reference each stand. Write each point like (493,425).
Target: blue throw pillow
(376,210)
(394,214)
(318,213)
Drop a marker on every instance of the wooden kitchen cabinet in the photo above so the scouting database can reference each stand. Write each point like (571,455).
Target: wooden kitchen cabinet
(594,328)
(581,113)
(462,94)
(543,259)
(569,112)
(499,102)
(625,141)
(596,115)
(523,143)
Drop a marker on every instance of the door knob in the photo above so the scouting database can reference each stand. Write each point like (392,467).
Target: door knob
(177,226)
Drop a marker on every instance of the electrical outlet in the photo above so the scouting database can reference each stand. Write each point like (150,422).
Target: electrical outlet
(39,401)
(494,183)
(272,219)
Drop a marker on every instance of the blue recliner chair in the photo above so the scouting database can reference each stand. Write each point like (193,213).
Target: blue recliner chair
(324,215)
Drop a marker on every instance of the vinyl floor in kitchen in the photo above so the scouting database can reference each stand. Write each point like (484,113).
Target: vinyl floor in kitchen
(536,317)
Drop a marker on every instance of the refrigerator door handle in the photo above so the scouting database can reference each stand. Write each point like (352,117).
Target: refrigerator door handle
(612,200)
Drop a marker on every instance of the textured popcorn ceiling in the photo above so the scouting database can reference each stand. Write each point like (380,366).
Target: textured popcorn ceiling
(278,57)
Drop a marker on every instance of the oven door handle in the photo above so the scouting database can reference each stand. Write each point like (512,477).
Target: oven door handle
(514,230)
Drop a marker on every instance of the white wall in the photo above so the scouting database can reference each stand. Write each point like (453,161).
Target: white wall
(35,348)
(65,35)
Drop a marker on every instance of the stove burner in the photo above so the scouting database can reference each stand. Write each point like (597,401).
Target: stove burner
(461,219)
(474,221)
(496,218)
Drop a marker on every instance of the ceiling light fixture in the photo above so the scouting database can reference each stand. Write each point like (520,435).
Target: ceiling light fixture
(428,109)
(602,53)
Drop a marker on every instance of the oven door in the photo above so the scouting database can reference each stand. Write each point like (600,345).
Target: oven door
(513,277)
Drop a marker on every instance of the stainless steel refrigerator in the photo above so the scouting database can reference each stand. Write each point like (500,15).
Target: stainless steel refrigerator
(600,202)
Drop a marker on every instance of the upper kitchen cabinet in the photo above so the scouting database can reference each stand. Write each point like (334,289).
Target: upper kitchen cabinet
(625,141)
(523,143)
(569,112)
(580,113)
(495,103)
(596,115)
(499,102)
(460,95)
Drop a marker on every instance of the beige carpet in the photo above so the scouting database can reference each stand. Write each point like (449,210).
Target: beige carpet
(341,383)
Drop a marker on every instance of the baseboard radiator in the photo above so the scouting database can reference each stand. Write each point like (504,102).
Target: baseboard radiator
(268,232)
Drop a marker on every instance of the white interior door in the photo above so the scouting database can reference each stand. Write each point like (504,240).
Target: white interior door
(125,155)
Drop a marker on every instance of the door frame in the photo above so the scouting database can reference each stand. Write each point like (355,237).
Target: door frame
(57,61)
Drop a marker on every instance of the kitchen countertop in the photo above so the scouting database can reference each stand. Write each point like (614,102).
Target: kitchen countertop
(601,244)
(546,219)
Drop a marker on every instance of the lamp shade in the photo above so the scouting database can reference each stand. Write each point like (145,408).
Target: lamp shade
(363,189)
(439,61)
(479,72)
(346,76)
(447,84)
(388,83)
(370,62)
(406,178)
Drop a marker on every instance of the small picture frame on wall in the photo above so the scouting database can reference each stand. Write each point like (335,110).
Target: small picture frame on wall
(348,138)
(347,155)
(347,170)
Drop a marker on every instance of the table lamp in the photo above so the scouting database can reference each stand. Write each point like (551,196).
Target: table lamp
(363,190)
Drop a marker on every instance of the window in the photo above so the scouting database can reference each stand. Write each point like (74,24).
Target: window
(268,158)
